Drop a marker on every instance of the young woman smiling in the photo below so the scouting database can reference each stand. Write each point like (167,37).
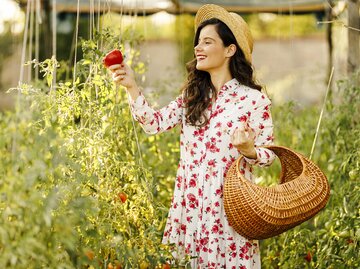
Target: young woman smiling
(222,113)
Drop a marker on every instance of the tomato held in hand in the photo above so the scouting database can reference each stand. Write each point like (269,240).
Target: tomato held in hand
(113,57)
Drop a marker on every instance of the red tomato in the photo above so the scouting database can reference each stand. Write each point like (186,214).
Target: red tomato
(166,266)
(122,196)
(308,256)
(113,57)
(90,254)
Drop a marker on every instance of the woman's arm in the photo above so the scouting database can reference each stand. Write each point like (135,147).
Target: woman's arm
(152,121)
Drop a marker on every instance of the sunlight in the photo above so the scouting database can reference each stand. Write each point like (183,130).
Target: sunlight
(11,13)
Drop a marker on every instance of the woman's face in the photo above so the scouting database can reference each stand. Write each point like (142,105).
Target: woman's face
(211,55)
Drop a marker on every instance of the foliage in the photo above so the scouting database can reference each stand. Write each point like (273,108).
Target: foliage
(282,26)
(73,192)
(330,239)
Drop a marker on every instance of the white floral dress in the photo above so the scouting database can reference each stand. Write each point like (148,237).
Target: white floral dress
(197,222)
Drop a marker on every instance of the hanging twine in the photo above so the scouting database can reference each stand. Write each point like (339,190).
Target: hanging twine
(321,114)
(76,39)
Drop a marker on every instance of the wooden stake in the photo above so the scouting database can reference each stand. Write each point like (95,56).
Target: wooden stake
(353,36)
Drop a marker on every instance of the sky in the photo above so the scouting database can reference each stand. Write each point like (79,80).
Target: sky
(10,11)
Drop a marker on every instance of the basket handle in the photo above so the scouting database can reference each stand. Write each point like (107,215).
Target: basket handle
(292,163)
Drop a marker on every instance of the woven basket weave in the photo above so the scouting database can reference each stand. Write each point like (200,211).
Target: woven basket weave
(257,212)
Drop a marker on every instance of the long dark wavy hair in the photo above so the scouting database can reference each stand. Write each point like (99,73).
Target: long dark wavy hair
(198,86)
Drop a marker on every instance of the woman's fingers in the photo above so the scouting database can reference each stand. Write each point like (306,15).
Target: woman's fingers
(123,75)
(243,134)
(115,67)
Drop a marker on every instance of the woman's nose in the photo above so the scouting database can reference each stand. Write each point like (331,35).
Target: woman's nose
(197,48)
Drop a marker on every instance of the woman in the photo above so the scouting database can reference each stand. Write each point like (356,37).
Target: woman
(222,114)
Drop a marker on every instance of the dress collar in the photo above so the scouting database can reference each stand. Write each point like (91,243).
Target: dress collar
(230,85)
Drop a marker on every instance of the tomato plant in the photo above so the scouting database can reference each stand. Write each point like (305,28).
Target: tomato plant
(66,152)
(330,239)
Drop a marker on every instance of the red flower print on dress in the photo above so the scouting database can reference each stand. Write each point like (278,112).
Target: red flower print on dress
(200,192)
(244,249)
(204,243)
(199,132)
(191,197)
(218,191)
(270,138)
(243,118)
(215,229)
(233,246)
(192,183)
(266,115)
(212,147)
(212,163)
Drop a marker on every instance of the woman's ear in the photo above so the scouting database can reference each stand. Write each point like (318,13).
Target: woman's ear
(230,50)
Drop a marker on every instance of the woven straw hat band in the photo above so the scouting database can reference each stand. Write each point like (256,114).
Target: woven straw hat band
(235,22)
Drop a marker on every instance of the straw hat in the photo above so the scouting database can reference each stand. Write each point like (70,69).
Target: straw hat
(235,22)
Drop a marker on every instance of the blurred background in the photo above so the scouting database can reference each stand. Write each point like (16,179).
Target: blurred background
(295,45)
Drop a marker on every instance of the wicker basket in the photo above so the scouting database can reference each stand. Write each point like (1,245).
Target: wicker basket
(258,212)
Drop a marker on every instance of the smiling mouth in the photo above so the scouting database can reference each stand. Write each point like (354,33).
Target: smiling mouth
(200,57)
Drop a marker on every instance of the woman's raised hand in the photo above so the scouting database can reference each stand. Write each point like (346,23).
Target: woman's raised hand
(123,75)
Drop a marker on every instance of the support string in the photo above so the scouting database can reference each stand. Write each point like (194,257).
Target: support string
(54,42)
(21,78)
(321,113)
(76,39)
(31,34)
(38,21)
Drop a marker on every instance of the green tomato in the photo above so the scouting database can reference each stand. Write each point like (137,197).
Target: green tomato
(353,174)
(344,234)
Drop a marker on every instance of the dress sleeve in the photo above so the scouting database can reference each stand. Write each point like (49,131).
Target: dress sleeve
(261,122)
(156,121)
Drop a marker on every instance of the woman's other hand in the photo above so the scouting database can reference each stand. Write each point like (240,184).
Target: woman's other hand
(243,139)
